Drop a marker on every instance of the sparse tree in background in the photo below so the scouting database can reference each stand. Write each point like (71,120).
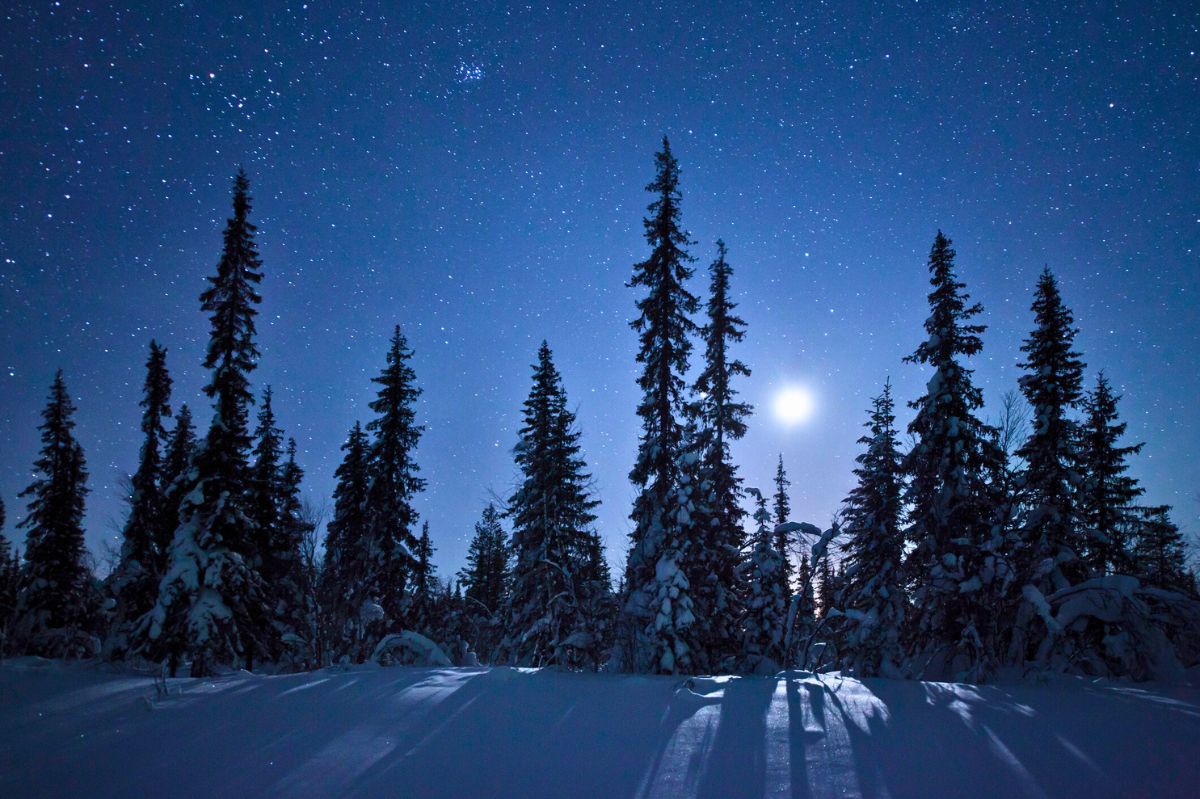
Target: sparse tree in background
(425,588)
(1159,554)
(1107,493)
(485,580)
(782,513)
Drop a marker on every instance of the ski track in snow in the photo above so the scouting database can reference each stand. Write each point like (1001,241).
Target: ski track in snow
(78,730)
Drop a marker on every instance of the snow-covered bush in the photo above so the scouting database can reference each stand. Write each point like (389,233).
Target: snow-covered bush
(1114,626)
(408,648)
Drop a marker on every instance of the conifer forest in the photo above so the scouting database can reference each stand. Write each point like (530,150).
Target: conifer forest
(966,550)
(540,492)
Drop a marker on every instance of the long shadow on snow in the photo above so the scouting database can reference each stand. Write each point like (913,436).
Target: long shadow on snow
(533,734)
(735,765)
(914,739)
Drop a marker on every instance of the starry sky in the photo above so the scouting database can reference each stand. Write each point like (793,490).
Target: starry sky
(475,172)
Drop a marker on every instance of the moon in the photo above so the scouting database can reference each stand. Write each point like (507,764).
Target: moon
(794,405)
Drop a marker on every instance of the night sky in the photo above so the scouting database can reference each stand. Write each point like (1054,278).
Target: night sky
(475,173)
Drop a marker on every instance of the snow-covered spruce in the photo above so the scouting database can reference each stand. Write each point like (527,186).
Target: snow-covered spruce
(873,601)
(1047,542)
(717,418)
(956,567)
(656,607)
(133,584)
(764,625)
(210,600)
(555,610)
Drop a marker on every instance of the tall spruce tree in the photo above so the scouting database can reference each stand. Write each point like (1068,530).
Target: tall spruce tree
(134,582)
(874,601)
(211,595)
(720,418)
(55,609)
(346,550)
(393,483)
(657,609)
(1048,553)
(1107,493)
(486,582)
(954,565)
(547,615)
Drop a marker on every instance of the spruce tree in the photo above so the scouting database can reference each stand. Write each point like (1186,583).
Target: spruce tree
(283,567)
(782,505)
(720,418)
(55,610)
(346,553)
(1107,493)
(954,565)
(598,606)
(134,582)
(177,462)
(552,518)
(1048,553)
(424,588)
(873,601)
(1159,554)
(657,613)
(783,510)
(211,595)
(393,483)
(804,600)
(10,575)
(265,485)
(764,624)
(175,483)
(826,586)
(485,580)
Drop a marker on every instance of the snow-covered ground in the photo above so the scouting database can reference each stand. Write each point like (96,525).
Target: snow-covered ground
(81,731)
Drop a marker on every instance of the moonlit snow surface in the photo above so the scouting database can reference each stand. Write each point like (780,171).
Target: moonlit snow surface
(77,730)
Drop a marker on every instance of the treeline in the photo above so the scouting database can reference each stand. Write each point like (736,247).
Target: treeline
(979,550)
